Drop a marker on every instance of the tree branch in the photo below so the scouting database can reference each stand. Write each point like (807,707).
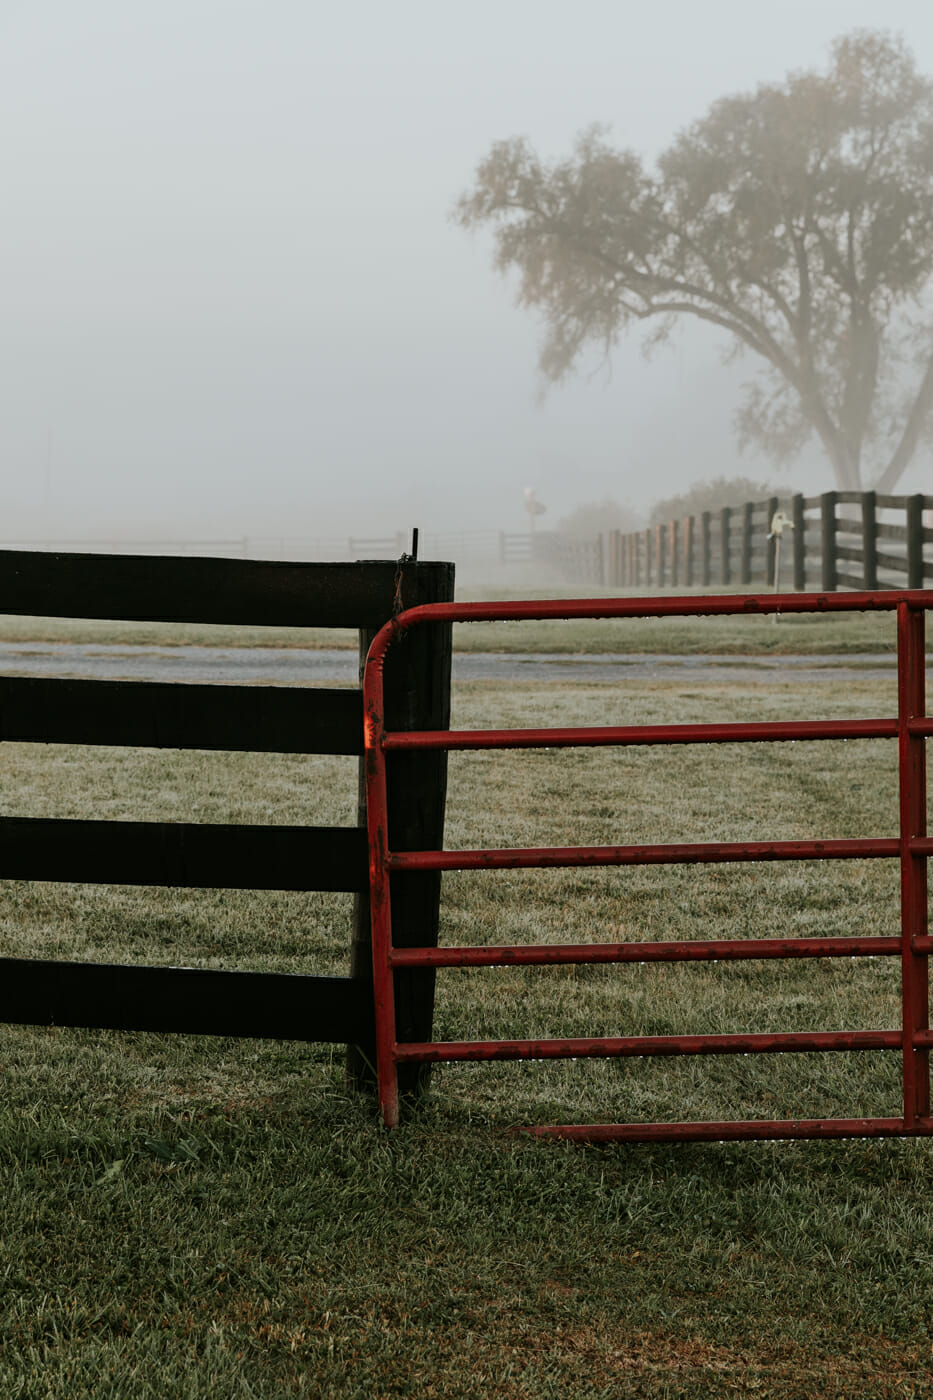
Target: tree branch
(719,310)
(682,236)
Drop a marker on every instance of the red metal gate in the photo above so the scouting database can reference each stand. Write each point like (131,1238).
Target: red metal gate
(911,847)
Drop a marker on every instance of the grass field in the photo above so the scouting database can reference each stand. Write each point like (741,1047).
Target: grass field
(831,634)
(194,1217)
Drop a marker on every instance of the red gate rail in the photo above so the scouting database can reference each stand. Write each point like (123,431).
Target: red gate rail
(911,847)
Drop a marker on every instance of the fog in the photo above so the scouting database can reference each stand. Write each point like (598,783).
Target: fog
(234,301)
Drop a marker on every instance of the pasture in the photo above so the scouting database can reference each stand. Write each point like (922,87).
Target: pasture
(198,1216)
(829,634)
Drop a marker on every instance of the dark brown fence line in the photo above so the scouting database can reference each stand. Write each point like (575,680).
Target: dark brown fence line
(183,855)
(250,592)
(583,560)
(479,548)
(184,1000)
(153,714)
(839,539)
(209,855)
(319,548)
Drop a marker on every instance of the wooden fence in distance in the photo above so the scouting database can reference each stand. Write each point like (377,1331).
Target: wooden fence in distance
(840,539)
(582,560)
(224,717)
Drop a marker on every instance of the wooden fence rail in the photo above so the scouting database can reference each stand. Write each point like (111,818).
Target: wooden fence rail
(840,539)
(210,855)
(580,559)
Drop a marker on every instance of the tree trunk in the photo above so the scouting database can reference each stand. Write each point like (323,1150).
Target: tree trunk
(910,437)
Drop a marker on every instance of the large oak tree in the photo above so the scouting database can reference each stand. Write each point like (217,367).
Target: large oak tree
(798,218)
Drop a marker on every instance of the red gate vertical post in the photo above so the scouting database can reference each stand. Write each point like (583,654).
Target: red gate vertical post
(380,897)
(913,809)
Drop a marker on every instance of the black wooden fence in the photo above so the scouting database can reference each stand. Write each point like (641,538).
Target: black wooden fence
(225,717)
(841,539)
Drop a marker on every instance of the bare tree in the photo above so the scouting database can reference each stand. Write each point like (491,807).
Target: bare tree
(798,218)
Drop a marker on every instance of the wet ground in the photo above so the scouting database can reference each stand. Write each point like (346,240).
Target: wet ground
(293,666)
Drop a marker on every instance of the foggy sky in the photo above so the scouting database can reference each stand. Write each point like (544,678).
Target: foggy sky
(233,300)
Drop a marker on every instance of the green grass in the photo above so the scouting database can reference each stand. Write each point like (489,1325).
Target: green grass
(725,792)
(841,634)
(197,1217)
(101,632)
(830,634)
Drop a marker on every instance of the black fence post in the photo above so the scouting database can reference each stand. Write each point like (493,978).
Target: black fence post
(706,572)
(417,696)
(800,543)
(674,542)
(689,549)
(747,510)
(771,543)
(828,541)
(725,565)
(914,541)
(869,540)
